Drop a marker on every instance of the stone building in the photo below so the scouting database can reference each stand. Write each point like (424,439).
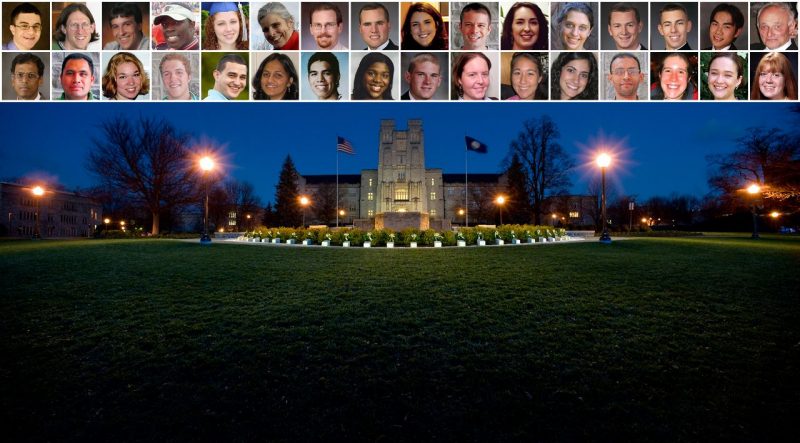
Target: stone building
(402,191)
(60,213)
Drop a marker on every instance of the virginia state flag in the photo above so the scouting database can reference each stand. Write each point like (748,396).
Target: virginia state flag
(475,145)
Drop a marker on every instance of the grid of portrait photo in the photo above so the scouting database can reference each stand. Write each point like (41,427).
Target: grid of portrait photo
(399,51)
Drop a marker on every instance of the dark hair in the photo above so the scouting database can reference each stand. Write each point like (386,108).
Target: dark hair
(59,35)
(325,6)
(23,8)
(581,7)
(733,57)
(291,90)
(590,93)
(77,55)
(479,7)
(672,7)
(372,7)
(541,88)
(736,14)
(439,40)
(658,92)
(507,38)
(28,57)
(229,58)
(458,69)
(125,10)
(624,7)
(359,90)
(624,55)
(331,60)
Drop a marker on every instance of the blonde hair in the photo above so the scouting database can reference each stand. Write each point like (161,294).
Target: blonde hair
(110,77)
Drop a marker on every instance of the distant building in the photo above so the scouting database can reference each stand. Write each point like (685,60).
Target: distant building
(402,191)
(570,211)
(61,214)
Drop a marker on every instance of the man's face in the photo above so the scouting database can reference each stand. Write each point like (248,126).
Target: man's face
(177,33)
(76,79)
(674,78)
(374,27)
(722,30)
(79,30)
(475,27)
(176,80)
(126,32)
(231,81)
(424,80)
(322,80)
(324,29)
(26,81)
(624,29)
(625,76)
(675,28)
(26,30)
(776,27)
(276,30)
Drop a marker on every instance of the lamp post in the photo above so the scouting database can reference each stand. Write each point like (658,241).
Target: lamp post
(500,200)
(603,160)
(206,164)
(462,213)
(106,221)
(754,190)
(38,192)
(304,201)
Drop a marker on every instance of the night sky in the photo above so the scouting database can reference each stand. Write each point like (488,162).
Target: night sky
(661,146)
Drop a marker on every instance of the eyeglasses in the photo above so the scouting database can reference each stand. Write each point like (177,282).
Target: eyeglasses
(619,72)
(75,26)
(26,27)
(318,26)
(22,76)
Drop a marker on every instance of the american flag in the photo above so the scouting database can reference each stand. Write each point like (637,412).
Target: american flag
(344,145)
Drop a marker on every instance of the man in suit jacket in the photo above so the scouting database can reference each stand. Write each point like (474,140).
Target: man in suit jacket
(424,76)
(777,25)
(727,23)
(374,26)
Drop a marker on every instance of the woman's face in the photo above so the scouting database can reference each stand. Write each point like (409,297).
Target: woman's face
(275,80)
(322,80)
(474,79)
(376,80)
(524,29)
(772,84)
(276,30)
(674,78)
(226,27)
(575,29)
(723,78)
(574,78)
(423,28)
(525,78)
(128,80)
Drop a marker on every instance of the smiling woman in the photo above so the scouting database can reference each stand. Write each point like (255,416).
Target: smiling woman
(225,27)
(374,78)
(423,28)
(125,78)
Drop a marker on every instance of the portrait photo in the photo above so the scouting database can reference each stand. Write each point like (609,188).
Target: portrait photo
(526,26)
(275,26)
(77,26)
(425,76)
(574,26)
(325,76)
(225,76)
(81,75)
(673,26)
(26,76)
(126,26)
(325,26)
(624,76)
(723,26)
(374,75)
(475,26)
(375,26)
(624,26)
(524,75)
(177,76)
(26,26)
(126,75)
(275,76)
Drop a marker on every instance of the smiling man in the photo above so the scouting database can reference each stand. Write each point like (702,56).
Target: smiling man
(624,26)
(475,26)
(374,26)
(230,78)
(674,25)
(125,20)
(176,75)
(177,23)
(77,77)
(75,29)
(626,75)
(25,27)
(27,76)
(777,26)
(424,76)
(727,23)
(326,26)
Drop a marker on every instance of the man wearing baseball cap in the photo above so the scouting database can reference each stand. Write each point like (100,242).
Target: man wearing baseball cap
(177,23)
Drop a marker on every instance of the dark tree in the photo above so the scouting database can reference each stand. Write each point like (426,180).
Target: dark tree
(145,159)
(546,163)
(324,203)
(268,216)
(519,205)
(287,207)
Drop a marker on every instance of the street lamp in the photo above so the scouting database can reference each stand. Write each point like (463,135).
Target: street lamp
(603,160)
(38,192)
(500,200)
(106,221)
(206,164)
(304,201)
(754,190)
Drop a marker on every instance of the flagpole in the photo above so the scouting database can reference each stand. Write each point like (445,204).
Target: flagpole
(337,182)
(466,184)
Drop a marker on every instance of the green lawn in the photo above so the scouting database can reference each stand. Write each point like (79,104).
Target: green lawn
(690,339)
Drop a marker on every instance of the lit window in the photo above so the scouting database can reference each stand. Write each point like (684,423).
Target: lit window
(433,196)
(370,182)
(401,194)
(433,182)
(574,214)
(433,212)
(370,196)
(370,213)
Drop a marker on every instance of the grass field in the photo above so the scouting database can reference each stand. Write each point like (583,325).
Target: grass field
(690,339)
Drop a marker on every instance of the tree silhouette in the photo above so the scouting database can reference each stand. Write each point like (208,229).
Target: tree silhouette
(287,208)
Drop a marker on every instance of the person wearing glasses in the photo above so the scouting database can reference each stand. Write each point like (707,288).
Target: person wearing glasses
(326,26)
(26,27)
(27,76)
(625,75)
(75,29)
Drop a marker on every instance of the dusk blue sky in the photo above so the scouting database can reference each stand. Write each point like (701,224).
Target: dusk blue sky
(665,144)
